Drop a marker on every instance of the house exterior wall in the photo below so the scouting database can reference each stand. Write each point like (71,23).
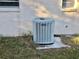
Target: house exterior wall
(8,23)
(17,23)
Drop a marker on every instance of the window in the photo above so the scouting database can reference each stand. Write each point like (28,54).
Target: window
(68,5)
(9,3)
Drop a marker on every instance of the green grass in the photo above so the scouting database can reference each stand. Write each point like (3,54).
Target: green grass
(24,48)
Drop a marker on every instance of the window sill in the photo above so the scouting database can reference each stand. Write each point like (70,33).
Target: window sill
(68,9)
(9,9)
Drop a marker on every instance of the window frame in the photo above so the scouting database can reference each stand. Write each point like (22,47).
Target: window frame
(67,9)
(67,2)
(8,7)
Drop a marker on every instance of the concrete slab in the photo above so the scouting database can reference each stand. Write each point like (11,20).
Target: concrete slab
(58,44)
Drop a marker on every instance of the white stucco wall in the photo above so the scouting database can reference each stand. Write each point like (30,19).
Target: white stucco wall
(15,23)
(53,6)
(8,23)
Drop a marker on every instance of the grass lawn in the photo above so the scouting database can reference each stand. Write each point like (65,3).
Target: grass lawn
(23,48)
